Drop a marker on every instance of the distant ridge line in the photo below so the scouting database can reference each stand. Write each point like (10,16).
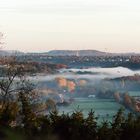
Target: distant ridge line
(84,53)
(65,53)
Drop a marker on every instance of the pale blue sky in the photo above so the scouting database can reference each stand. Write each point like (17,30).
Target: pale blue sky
(42,25)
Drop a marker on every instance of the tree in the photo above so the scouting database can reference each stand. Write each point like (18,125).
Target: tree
(9,86)
(91,126)
(10,83)
(117,123)
(17,96)
(104,132)
(29,118)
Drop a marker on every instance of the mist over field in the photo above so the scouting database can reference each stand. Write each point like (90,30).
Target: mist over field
(89,73)
(69,70)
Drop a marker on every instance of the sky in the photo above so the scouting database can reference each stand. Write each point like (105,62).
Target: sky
(43,25)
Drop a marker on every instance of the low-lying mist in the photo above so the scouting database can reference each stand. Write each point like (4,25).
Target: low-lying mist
(73,83)
(90,74)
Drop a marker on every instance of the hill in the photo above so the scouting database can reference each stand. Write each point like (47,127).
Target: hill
(77,53)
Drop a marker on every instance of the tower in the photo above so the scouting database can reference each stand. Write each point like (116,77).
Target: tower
(77,53)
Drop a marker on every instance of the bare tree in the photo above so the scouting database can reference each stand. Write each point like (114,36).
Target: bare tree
(10,81)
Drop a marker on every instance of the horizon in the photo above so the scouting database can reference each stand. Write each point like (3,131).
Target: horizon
(70,50)
(40,26)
